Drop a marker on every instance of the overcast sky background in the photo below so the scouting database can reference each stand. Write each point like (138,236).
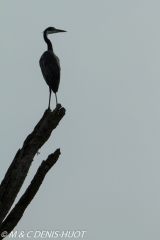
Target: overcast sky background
(107,179)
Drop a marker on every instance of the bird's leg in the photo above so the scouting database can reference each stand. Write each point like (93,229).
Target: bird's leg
(56,99)
(49,98)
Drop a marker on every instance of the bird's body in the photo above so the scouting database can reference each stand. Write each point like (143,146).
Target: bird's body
(50,65)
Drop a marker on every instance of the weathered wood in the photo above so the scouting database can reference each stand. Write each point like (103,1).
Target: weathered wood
(18,169)
(17,212)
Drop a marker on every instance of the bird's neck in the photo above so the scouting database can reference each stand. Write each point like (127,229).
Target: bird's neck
(49,44)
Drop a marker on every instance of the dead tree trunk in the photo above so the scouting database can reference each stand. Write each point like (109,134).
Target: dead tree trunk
(19,168)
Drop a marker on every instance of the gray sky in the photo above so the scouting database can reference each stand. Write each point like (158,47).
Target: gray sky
(107,179)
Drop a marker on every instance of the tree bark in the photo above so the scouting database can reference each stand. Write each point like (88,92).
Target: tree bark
(18,169)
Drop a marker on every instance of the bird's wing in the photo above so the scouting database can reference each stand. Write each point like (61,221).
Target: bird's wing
(51,70)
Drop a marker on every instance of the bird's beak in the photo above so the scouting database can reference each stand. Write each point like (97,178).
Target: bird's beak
(58,30)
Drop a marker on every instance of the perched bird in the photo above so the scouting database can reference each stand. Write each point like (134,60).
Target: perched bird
(50,64)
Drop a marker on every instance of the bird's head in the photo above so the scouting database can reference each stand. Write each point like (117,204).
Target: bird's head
(51,30)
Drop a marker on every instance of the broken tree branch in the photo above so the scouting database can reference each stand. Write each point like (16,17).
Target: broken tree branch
(17,212)
(18,169)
